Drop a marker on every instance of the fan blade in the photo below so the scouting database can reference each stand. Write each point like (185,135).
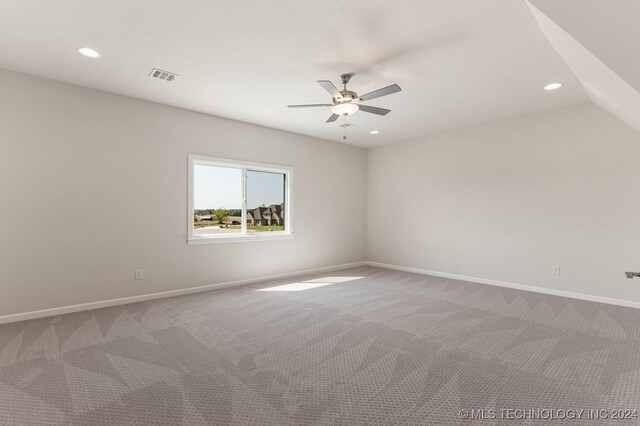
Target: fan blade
(374,110)
(333,118)
(329,87)
(381,92)
(309,105)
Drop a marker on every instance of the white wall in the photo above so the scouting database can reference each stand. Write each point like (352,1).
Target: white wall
(507,200)
(94,185)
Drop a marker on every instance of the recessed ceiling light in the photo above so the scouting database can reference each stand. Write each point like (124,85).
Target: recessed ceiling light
(374,132)
(88,52)
(552,86)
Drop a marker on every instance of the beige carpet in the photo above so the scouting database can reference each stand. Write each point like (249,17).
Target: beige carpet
(363,346)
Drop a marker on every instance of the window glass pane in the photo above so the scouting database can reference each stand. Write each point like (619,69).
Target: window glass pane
(217,200)
(265,201)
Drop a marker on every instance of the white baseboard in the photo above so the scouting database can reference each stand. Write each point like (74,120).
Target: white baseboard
(544,290)
(152,296)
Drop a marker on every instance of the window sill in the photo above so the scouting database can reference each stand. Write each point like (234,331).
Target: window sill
(240,238)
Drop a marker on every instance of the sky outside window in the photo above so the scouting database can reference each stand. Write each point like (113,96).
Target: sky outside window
(217,187)
(264,188)
(221,187)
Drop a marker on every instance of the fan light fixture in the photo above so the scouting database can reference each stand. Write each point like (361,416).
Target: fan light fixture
(345,109)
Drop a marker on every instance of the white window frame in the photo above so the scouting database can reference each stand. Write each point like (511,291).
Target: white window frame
(244,236)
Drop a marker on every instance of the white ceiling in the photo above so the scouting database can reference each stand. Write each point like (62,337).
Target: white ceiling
(599,43)
(610,30)
(459,62)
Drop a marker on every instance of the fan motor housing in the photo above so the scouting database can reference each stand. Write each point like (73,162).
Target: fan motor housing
(347,96)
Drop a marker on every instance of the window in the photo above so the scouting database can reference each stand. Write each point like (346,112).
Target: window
(238,201)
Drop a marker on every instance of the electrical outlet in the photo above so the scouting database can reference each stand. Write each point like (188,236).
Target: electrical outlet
(555,270)
(139,274)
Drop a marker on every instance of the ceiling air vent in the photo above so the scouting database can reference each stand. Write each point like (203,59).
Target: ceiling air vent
(162,74)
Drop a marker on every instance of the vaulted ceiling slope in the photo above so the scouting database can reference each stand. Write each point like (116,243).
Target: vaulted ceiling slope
(600,42)
(459,62)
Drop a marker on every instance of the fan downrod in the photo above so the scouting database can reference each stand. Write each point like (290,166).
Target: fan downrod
(344,78)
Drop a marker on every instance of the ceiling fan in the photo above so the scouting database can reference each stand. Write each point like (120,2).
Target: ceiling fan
(347,102)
